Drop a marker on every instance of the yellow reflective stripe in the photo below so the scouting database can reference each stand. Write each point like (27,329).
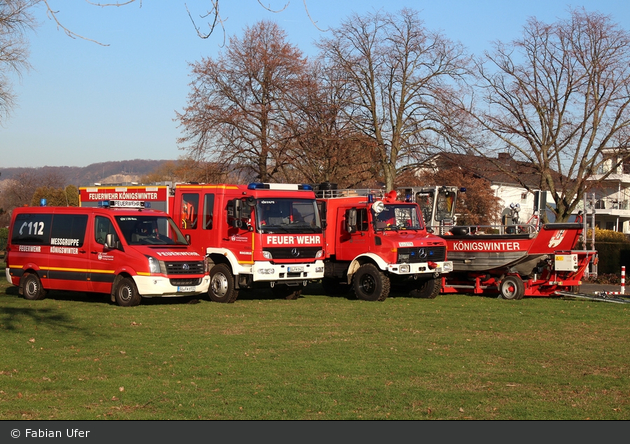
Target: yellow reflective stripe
(84,270)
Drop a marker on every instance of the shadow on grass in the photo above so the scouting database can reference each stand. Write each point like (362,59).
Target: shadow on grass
(13,318)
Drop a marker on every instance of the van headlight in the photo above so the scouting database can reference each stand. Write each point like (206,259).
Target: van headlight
(155,266)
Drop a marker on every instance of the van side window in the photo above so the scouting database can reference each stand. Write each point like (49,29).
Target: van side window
(208,211)
(190,210)
(31,229)
(102,227)
(68,229)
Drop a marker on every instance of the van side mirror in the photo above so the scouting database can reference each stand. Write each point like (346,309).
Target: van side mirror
(111,243)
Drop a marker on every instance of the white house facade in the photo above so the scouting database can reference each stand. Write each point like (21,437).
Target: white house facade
(611,196)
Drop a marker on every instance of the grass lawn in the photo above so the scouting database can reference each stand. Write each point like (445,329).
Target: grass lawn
(78,357)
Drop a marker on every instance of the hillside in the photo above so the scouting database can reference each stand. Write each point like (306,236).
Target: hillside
(120,171)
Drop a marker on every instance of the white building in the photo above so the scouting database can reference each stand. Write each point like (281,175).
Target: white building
(611,196)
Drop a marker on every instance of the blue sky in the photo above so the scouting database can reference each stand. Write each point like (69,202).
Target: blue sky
(84,103)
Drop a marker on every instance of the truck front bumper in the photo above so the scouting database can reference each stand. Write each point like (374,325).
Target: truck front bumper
(268,272)
(420,268)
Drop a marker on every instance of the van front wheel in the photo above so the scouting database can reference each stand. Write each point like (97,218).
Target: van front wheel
(127,293)
(32,287)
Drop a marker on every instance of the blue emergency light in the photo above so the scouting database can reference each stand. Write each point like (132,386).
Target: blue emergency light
(123,204)
(279,186)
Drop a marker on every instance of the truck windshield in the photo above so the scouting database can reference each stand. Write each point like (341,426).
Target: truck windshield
(150,230)
(286,215)
(398,217)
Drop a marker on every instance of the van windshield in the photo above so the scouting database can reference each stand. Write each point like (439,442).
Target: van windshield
(150,230)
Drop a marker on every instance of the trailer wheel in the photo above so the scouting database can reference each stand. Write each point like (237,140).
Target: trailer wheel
(512,288)
(283,291)
(126,294)
(428,289)
(222,287)
(370,284)
(32,287)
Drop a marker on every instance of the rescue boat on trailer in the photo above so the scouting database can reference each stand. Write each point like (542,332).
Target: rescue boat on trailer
(512,260)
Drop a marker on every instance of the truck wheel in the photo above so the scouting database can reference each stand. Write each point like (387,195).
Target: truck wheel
(370,284)
(282,291)
(222,284)
(427,289)
(126,294)
(32,287)
(511,288)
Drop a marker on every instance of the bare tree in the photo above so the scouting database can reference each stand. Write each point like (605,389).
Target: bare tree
(216,21)
(558,98)
(400,74)
(237,105)
(15,20)
(19,191)
(326,147)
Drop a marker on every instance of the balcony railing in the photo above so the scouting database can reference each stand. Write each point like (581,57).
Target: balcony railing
(609,203)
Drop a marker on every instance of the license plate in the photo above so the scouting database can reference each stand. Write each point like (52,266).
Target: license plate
(185,289)
(295,269)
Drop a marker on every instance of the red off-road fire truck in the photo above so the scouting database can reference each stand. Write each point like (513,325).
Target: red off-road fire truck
(253,236)
(374,241)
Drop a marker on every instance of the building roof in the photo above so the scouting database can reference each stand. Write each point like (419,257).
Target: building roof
(495,170)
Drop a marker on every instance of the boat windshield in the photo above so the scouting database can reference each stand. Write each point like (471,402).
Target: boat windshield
(398,217)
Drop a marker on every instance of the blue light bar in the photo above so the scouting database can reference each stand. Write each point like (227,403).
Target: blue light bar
(279,186)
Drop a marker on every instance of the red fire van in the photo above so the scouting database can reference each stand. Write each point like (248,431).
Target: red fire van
(128,253)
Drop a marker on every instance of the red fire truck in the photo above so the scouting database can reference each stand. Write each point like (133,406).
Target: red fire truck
(374,241)
(256,235)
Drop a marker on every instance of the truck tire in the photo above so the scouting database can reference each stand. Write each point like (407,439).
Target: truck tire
(126,293)
(370,284)
(32,287)
(427,289)
(511,288)
(222,288)
(282,291)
